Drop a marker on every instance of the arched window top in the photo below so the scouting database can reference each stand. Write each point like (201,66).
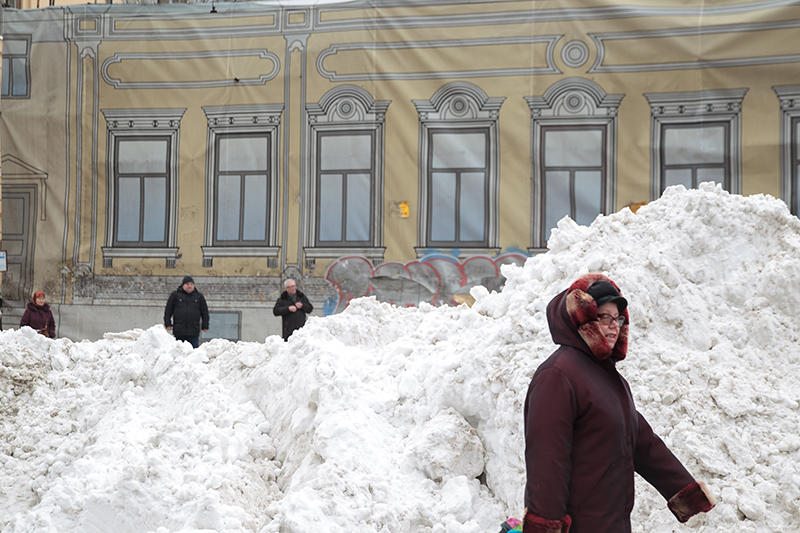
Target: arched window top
(347,103)
(575,96)
(459,101)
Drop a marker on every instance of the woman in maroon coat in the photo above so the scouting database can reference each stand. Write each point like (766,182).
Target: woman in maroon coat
(584,438)
(39,317)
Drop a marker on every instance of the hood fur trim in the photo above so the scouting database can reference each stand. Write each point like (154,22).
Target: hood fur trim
(582,310)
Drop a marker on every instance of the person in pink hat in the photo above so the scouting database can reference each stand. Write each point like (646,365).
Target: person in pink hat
(39,316)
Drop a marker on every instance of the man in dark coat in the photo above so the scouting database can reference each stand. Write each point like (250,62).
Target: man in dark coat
(186,309)
(292,306)
(584,438)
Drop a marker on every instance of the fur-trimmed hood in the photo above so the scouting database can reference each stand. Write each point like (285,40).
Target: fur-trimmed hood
(572,317)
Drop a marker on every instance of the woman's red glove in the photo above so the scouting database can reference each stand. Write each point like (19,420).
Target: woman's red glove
(692,499)
(532,523)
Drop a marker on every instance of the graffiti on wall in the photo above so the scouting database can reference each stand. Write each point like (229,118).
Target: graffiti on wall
(436,278)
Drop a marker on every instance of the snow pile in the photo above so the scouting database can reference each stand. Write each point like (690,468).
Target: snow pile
(389,419)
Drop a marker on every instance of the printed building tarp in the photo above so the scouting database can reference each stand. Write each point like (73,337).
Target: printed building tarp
(395,149)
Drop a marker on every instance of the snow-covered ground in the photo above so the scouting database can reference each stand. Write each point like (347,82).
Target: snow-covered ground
(384,419)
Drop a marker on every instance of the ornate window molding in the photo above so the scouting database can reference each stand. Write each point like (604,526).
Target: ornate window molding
(572,103)
(16,67)
(789,97)
(345,110)
(458,106)
(142,123)
(696,109)
(224,120)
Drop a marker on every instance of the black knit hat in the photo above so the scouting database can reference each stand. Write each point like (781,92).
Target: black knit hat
(604,292)
(187,279)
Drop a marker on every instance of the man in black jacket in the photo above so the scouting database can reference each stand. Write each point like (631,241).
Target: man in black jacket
(186,309)
(292,306)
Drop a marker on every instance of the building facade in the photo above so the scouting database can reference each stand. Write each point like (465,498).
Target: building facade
(405,151)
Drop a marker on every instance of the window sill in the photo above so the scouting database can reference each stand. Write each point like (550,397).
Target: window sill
(270,252)
(537,250)
(459,252)
(109,253)
(240,251)
(334,252)
(139,251)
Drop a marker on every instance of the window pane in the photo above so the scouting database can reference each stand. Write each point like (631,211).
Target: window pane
(573,148)
(459,150)
(223,326)
(155,209)
(129,206)
(330,207)
(701,144)
(796,139)
(358,207)
(588,193)
(13,218)
(242,153)
(472,207)
(443,206)
(717,175)
(255,208)
(557,199)
(678,176)
(351,152)
(17,47)
(19,77)
(228,207)
(5,76)
(143,156)
(797,189)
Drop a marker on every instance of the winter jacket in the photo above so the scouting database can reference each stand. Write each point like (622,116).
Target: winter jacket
(185,312)
(584,437)
(40,319)
(292,320)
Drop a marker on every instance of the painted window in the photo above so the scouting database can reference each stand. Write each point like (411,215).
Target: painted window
(16,67)
(692,154)
(573,147)
(242,185)
(242,182)
(223,325)
(345,176)
(458,167)
(696,138)
(574,172)
(141,173)
(142,187)
(459,172)
(789,98)
(790,182)
(795,167)
(345,185)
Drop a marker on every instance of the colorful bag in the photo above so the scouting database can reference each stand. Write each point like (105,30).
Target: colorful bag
(512,524)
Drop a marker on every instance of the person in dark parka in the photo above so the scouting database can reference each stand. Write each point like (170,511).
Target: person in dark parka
(584,438)
(186,309)
(292,306)
(39,316)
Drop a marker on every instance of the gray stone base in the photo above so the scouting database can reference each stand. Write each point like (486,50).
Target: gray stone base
(91,322)
(110,304)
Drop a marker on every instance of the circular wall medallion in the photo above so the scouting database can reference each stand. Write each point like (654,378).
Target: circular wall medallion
(459,106)
(346,108)
(575,54)
(574,102)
